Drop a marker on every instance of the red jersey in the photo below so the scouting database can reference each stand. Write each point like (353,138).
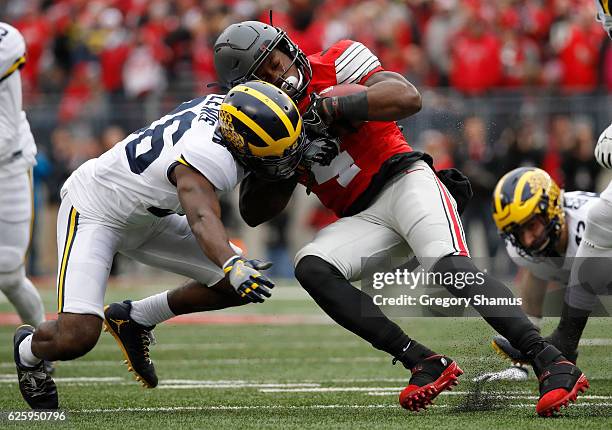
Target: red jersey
(362,154)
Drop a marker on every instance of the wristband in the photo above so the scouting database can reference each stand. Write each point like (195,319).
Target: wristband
(353,107)
(228,262)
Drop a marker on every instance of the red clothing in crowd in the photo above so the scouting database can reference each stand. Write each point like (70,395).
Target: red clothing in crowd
(36,32)
(111,65)
(579,58)
(476,65)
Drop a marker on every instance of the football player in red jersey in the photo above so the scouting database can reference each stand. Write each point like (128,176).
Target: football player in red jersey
(389,199)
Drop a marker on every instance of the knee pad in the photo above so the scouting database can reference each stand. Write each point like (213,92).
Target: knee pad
(11,259)
(12,270)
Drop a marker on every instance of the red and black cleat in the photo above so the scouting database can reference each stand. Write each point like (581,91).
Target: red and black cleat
(560,381)
(429,378)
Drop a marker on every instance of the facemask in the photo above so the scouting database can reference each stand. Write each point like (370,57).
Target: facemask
(291,84)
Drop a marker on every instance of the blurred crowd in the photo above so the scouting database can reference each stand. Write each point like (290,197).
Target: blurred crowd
(85,47)
(506,83)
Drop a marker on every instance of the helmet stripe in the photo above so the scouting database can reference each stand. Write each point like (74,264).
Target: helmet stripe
(274,148)
(273,106)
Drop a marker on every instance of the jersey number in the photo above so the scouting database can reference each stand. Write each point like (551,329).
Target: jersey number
(148,145)
(343,166)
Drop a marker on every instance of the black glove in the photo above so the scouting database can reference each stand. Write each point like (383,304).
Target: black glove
(244,276)
(321,151)
(317,117)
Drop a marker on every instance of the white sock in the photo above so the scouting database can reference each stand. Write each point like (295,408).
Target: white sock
(26,356)
(152,310)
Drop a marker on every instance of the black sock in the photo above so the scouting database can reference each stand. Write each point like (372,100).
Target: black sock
(569,331)
(412,354)
(348,306)
(509,321)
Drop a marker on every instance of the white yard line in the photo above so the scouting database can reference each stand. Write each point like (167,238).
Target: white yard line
(230,408)
(225,361)
(596,342)
(287,407)
(237,345)
(13,378)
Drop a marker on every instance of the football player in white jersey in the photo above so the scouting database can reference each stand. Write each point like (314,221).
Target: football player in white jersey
(130,200)
(17,157)
(544,230)
(590,252)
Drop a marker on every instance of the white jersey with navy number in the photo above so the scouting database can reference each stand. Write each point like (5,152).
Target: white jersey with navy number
(576,205)
(17,148)
(130,183)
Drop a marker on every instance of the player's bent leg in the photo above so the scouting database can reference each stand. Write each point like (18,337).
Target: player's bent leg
(355,311)
(560,380)
(69,337)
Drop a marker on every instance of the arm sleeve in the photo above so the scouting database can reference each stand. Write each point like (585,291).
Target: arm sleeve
(212,161)
(355,64)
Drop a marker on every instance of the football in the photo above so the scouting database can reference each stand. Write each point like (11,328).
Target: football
(344,127)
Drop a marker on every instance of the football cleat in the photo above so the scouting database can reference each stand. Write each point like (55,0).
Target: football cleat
(504,348)
(560,381)
(429,378)
(133,339)
(35,384)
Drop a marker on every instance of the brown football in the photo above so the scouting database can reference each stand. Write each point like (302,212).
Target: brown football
(344,127)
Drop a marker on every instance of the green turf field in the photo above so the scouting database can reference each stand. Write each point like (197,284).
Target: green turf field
(310,375)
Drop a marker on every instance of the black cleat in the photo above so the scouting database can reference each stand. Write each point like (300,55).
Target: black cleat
(35,384)
(504,348)
(560,381)
(429,378)
(133,339)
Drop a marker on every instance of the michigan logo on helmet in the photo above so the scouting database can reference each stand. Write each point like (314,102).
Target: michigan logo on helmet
(262,127)
(522,194)
(243,47)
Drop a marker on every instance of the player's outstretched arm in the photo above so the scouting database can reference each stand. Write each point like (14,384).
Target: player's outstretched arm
(201,205)
(262,200)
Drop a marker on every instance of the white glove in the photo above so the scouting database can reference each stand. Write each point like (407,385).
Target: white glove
(603,149)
